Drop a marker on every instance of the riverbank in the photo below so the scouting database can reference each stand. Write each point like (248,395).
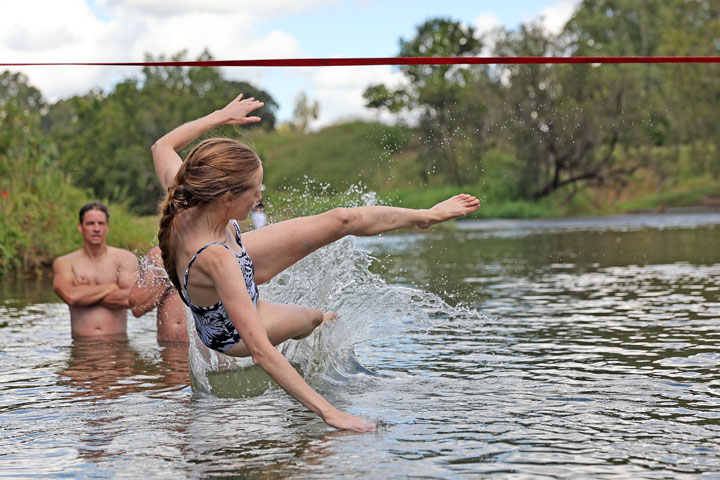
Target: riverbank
(31,240)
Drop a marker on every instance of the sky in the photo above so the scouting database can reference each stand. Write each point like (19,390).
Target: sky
(125,30)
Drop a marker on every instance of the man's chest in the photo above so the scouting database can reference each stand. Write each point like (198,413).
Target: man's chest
(95,272)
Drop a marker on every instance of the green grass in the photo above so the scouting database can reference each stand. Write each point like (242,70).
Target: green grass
(137,234)
(40,223)
(310,173)
(687,193)
(489,208)
(340,155)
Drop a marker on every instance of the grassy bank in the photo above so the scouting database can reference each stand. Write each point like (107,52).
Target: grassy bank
(701,191)
(40,224)
(357,163)
(351,164)
(39,203)
(339,156)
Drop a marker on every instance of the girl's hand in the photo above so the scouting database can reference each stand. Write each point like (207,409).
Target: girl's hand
(345,421)
(235,112)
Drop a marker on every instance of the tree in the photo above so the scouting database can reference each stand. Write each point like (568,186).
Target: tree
(15,88)
(305,111)
(449,100)
(692,91)
(562,123)
(105,138)
(35,195)
(616,27)
(587,123)
(569,125)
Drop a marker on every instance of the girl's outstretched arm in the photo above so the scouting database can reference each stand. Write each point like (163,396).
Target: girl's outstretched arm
(164,151)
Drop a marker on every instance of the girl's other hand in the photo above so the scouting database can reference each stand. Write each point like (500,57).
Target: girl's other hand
(345,421)
(237,110)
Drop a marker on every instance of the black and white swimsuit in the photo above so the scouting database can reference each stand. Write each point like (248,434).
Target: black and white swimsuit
(212,323)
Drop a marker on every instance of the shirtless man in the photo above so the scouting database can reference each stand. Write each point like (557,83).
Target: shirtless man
(154,289)
(96,280)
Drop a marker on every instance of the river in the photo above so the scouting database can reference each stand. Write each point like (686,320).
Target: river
(578,348)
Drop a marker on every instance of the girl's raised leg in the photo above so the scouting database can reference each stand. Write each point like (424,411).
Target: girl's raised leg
(277,246)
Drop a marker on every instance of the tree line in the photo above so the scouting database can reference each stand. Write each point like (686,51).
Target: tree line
(563,126)
(530,130)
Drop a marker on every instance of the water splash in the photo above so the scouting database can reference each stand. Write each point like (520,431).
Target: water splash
(335,278)
(151,273)
(313,197)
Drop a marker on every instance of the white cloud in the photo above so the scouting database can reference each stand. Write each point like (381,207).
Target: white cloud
(24,32)
(486,23)
(16,38)
(65,32)
(339,91)
(228,35)
(179,7)
(555,16)
(69,31)
(275,45)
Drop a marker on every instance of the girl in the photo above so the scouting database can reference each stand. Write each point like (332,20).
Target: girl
(217,273)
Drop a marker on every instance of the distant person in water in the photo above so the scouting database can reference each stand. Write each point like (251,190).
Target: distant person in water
(258,215)
(154,289)
(95,281)
(217,272)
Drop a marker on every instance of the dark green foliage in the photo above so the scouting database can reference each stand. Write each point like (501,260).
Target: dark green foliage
(104,140)
(451,101)
(14,87)
(38,201)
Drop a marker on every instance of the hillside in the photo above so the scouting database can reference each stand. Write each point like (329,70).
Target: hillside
(342,155)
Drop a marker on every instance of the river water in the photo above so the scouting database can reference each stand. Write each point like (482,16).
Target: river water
(584,348)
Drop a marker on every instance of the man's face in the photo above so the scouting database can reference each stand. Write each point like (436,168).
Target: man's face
(94,227)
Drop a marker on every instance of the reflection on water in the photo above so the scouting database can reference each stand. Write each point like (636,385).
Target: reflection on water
(102,371)
(571,350)
(110,367)
(18,293)
(78,407)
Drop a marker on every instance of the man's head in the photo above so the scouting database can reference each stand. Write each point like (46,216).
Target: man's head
(93,225)
(94,206)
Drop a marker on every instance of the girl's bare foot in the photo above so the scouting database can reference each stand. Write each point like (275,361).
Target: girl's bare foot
(454,207)
(315,321)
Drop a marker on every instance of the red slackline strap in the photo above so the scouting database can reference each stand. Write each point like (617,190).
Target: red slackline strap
(339,62)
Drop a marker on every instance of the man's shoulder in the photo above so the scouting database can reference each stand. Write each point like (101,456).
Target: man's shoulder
(64,263)
(69,257)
